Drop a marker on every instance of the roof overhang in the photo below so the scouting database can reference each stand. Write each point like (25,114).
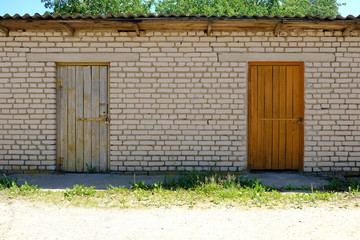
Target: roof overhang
(172,22)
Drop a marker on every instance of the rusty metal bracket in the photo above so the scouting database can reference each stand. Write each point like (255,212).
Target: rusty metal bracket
(60,161)
(92,119)
(59,83)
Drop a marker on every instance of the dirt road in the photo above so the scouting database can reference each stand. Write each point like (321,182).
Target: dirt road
(25,220)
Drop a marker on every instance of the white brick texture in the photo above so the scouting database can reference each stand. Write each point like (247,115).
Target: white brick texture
(179,107)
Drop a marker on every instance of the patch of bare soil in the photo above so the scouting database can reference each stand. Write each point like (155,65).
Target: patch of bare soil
(29,220)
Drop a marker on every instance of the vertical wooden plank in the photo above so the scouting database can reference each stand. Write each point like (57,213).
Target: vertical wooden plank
(260,161)
(71,119)
(95,133)
(61,123)
(104,113)
(87,114)
(289,115)
(282,115)
(58,120)
(275,114)
(253,116)
(302,112)
(79,114)
(268,115)
(296,114)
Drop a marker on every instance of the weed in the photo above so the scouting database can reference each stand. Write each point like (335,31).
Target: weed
(90,168)
(192,189)
(354,185)
(291,187)
(343,185)
(194,179)
(7,183)
(28,189)
(144,186)
(23,190)
(79,190)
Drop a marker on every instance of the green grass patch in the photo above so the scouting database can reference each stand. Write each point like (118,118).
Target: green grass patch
(192,189)
(7,183)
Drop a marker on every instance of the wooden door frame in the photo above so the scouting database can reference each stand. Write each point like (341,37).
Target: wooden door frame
(302,106)
(59,159)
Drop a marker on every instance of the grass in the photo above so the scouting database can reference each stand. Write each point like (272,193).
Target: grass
(191,189)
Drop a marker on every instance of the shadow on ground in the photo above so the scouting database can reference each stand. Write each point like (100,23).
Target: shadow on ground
(102,181)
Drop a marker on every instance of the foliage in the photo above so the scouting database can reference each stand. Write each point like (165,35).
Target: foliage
(143,185)
(23,190)
(313,7)
(79,190)
(341,185)
(90,168)
(220,7)
(99,6)
(193,189)
(249,7)
(7,183)
(194,179)
(208,7)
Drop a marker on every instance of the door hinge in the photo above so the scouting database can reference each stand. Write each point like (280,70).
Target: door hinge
(59,83)
(60,161)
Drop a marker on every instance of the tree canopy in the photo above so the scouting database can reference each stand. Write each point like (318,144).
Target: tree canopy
(208,7)
(99,6)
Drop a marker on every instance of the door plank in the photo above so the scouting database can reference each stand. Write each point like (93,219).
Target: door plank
(289,115)
(253,116)
(71,106)
(268,133)
(103,138)
(95,133)
(282,115)
(87,114)
(296,109)
(276,115)
(79,123)
(62,117)
(261,114)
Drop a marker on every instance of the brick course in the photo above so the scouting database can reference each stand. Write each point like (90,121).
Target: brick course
(179,107)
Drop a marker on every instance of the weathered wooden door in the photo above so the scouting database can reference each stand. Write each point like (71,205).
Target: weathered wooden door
(276,113)
(82,107)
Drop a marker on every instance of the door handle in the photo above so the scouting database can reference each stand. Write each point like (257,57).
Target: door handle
(300,120)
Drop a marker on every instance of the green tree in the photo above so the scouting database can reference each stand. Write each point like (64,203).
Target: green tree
(249,7)
(313,7)
(99,6)
(217,7)
(208,7)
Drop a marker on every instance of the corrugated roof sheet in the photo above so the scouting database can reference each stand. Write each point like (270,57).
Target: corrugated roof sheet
(48,16)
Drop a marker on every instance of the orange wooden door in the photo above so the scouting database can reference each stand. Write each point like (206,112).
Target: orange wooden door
(276,113)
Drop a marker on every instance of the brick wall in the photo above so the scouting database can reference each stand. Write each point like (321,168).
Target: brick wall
(179,107)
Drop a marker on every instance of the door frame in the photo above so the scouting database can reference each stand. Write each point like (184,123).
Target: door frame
(302,107)
(59,158)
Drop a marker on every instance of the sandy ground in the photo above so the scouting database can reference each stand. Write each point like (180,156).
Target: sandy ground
(25,220)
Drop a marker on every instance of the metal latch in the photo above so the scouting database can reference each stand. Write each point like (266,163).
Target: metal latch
(60,161)
(59,83)
(106,119)
(300,121)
